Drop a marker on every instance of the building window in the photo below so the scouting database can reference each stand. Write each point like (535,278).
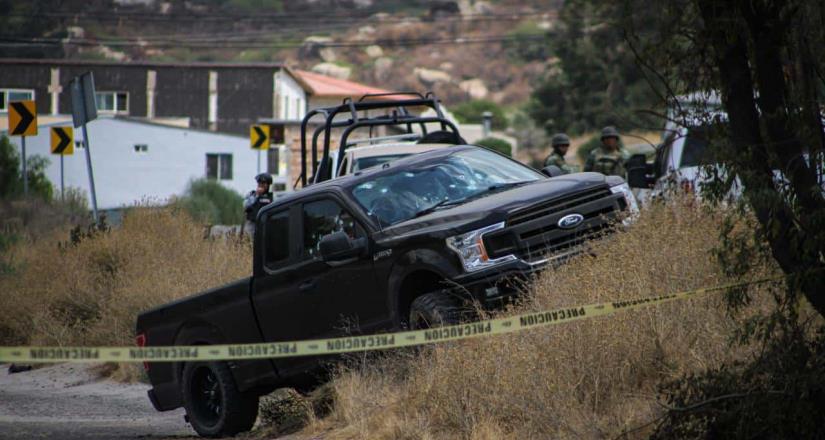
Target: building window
(11,95)
(112,102)
(141,148)
(219,166)
(273,161)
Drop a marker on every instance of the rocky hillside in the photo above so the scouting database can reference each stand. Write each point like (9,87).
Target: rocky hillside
(462,50)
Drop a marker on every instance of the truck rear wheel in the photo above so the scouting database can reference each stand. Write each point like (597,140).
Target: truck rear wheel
(434,309)
(213,404)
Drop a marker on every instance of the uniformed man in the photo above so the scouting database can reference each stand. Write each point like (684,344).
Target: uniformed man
(256,200)
(609,158)
(560,143)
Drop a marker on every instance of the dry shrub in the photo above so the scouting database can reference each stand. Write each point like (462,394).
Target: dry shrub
(90,293)
(595,378)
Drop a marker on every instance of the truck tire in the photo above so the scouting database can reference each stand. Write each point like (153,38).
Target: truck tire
(214,406)
(434,310)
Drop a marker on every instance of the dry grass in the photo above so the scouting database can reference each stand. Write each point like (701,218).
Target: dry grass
(90,293)
(590,379)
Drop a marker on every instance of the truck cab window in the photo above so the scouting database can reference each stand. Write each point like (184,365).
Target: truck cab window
(276,239)
(325,217)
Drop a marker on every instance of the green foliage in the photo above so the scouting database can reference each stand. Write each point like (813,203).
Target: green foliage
(210,202)
(594,81)
(470,113)
(497,144)
(525,46)
(28,20)
(11,182)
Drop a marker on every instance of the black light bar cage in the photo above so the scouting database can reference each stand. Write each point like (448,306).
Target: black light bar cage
(399,116)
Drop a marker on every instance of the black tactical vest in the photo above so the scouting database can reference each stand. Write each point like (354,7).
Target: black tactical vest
(262,200)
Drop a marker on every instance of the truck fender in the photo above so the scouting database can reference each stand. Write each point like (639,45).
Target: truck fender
(416,262)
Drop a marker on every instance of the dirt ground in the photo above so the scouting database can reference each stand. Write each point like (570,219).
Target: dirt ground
(69,401)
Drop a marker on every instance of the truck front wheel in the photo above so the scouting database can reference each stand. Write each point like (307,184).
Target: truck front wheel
(213,404)
(434,310)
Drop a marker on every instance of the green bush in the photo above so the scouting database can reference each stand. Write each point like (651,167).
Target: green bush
(470,113)
(497,144)
(210,202)
(11,177)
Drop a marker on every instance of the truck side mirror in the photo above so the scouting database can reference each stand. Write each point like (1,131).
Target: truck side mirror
(552,171)
(637,176)
(338,247)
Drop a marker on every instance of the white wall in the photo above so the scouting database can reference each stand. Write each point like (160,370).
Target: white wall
(174,157)
(290,96)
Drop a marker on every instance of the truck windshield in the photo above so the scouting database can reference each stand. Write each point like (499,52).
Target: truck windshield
(453,179)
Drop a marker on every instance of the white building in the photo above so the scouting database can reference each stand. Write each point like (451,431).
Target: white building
(135,160)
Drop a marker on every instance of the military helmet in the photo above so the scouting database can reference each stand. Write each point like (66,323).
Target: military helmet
(560,139)
(264,178)
(610,131)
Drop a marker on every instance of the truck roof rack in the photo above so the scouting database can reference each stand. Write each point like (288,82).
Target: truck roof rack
(399,115)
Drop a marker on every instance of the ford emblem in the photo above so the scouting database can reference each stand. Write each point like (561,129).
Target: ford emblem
(570,221)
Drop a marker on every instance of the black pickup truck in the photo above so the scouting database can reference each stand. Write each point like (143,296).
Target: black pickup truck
(406,244)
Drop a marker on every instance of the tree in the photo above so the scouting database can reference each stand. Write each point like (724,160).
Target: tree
(765,60)
(210,202)
(11,180)
(593,80)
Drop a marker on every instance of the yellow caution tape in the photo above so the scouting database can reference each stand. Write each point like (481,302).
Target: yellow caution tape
(346,344)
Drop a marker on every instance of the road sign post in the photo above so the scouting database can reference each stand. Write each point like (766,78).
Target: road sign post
(259,139)
(23,122)
(84,109)
(62,143)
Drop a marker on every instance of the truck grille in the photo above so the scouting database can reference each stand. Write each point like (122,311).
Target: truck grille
(533,234)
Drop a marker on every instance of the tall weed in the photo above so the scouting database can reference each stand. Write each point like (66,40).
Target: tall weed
(89,291)
(595,378)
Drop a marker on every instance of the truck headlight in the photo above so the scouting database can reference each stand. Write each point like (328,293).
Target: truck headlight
(470,249)
(630,199)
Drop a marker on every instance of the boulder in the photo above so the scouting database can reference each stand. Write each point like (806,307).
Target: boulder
(382,68)
(374,51)
(430,77)
(333,70)
(328,54)
(475,88)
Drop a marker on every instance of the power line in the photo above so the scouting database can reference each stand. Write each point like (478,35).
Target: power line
(253,44)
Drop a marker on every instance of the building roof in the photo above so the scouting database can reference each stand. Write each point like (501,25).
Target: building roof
(327,87)
(199,64)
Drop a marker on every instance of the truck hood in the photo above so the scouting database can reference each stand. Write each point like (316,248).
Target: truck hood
(490,209)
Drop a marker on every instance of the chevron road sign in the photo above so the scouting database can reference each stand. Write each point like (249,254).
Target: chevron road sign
(62,140)
(259,137)
(22,118)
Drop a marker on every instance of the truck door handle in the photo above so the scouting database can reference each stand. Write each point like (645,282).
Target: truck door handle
(307,285)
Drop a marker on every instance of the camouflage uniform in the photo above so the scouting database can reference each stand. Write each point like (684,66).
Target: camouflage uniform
(609,163)
(606,161)
(558,160)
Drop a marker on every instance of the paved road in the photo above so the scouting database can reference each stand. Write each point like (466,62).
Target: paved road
(69,402)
